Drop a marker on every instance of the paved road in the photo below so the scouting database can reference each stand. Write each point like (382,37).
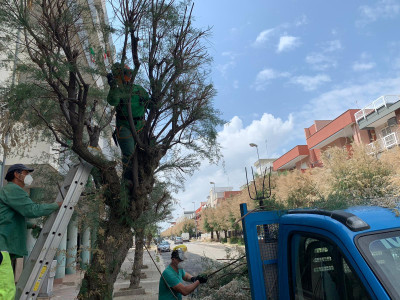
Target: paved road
(200,256)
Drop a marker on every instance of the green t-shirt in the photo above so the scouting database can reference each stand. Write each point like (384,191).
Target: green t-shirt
(15,206)
(173,278)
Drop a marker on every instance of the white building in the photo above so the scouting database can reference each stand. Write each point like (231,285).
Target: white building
(216,193)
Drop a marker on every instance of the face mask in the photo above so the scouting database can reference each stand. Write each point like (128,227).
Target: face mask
(28,180)
(180,266)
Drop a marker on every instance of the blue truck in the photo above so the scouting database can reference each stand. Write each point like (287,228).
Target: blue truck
(311,254)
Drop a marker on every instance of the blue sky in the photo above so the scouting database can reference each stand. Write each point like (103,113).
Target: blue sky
(279,65)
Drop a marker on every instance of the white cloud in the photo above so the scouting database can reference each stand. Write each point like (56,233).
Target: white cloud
(359,66)
(225,68)
(320,62)
(331,46)
(264,36)
(383,9)
(264,77)
(324,59)
(334,102)
(310,83)
(234,139)
(301,21)
(287,43)
(364,64)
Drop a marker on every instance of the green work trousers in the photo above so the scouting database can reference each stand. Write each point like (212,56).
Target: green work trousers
(7,285)
(127,144)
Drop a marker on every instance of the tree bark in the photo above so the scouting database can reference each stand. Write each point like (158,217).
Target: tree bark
(212,234)
(138,261)
(148,240)
(113,246)
(217,232)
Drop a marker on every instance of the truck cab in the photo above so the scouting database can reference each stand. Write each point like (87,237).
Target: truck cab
(319,254)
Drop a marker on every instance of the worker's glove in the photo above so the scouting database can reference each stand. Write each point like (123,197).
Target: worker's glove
(36,231)
(111,80)
(200,278)
(1,258)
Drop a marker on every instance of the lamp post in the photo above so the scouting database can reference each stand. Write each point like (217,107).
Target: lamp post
(259,163)
(213,183)
(195,219)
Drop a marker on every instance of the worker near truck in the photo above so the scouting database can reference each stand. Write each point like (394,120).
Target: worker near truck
(15,207)
(171,282)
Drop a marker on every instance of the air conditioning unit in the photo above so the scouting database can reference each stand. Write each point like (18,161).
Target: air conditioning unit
(392,121)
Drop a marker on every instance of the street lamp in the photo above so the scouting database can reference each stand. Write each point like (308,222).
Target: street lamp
(195,219)
(259,162)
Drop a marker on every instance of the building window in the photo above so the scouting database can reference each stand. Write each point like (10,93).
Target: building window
(321,272)
(386,131)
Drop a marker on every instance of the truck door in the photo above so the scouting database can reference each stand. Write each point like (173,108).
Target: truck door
(320,271)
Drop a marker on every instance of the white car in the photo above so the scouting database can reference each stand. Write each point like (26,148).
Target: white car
(178,240)
(163,247)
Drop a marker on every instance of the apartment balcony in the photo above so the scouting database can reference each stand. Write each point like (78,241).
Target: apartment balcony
(378,112)
(384,143)
(289,159)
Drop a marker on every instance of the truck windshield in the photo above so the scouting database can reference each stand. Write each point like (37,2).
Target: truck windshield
(382,252)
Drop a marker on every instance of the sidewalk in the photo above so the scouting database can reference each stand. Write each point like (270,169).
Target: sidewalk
(68,290)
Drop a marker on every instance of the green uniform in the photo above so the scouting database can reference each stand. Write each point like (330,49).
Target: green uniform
(173,278)
(15,206)
(119,96)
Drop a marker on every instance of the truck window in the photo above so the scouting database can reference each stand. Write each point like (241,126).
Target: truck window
(381,250)
(321,272)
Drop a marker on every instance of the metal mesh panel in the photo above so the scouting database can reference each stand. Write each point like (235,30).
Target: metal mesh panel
(268,243)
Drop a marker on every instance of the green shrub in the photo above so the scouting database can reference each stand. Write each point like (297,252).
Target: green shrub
(234,240)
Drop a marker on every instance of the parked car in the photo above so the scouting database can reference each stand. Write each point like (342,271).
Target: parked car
(163,247)
(178,240)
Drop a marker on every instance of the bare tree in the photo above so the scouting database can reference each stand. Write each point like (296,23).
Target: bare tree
(59,95)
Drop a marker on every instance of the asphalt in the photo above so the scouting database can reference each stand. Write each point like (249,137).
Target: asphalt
(69,288)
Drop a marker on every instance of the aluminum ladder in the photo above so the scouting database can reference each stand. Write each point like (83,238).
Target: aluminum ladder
(39,262)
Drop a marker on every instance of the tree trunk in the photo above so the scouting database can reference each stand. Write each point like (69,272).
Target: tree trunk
(212,234)
(138,261)
(226,233)
(217,232)
(114,239)
(149,240)
(113,246)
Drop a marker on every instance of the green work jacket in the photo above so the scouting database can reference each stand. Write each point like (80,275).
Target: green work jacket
(119,96)
(15,207)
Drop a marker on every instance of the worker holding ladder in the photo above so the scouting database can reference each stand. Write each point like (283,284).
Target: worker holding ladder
(15,207)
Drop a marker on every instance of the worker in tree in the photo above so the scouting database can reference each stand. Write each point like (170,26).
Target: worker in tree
(121,89)
(15,207)
(171,286)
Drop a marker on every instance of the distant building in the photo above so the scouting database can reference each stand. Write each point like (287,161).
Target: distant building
(186,215)
(215,194)
(263,165)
